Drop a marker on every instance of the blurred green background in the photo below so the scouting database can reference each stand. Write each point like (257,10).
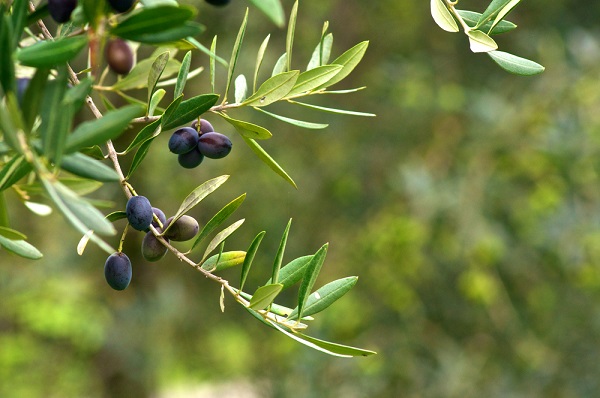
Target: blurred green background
(469,208)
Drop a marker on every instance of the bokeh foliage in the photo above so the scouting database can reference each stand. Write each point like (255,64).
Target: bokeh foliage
(468,207)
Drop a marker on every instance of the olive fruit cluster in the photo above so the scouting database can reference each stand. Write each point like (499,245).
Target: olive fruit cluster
(141,214)
(193,144)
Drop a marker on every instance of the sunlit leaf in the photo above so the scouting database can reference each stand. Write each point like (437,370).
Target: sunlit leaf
(12,234)
(149,131)
(221,236)
(471,18)
(326,295)
(156,70)
(155,100)
(259,59)
(481,42)
(250,257)
(218,219)
(289,40)
(247,129)
(198,194)
(138,77)
(235,54)
(316,77)
(241,88)
(85,166)
(268,160)
(516,65)
(333,110)
(273,89)
(280,65)
(442,16)
(182,76)
(225,260)
(279,255)
(272,9)
(20,248)
(309,278)
(264,295)
(295,122)
(322,52)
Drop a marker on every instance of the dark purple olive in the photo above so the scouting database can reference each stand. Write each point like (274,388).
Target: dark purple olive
(191,159)
(121,5)
(152,248)
(139,212)
(183,140)
(214,145)
(117,271)
(60,10)
(218,3)
(205,126)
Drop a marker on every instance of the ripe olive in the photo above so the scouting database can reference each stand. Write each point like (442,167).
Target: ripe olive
(139,212)
(119,56)
(117,271)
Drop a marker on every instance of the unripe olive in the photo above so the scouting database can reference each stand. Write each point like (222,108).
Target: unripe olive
(205,126)
(190,159)
(218,2)
(185,228)
(117,271)
(61,10)
(152,248)
(119,56)
(214,145)
(121,5)
(139,212)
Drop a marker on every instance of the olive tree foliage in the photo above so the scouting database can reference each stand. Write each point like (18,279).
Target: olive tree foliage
(51,160)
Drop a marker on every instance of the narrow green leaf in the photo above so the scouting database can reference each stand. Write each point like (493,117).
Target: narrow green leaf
(333,110)
(34,95)
(247,129)
(150,131)
(155,100)
(7,65)
(272,9)
(7,126)
(183,74)
(316,77)
(21,248)
(158,66)
(295,122)
(225,260)
(169,36)
(49,53)
(442,16)
(15,169)
(517,65)
(152,21)
(4,221)
(471,18)
(12,234)
(211,53)
(87,167)
(322,52)
(221,236)
(77,94)
(338,349)
(279,255)
(492,9)
(349,60)
(293,271)
(309,278)
(170,111)
(173,81)
(268,160)
(259,59)
(280,65)
(264,295)
(326,295)
(235,54)
(139,156)
(98,131)
(289,41)
(56,117)
(79,213)
(504,12)
(481,42)
(116,216)
(276,308)
(273,89)
(19,18)
(198,194)
(213,56)
(138,77)
(218,219)
(250,257)
(189,110)
(241,88)
(80,186)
